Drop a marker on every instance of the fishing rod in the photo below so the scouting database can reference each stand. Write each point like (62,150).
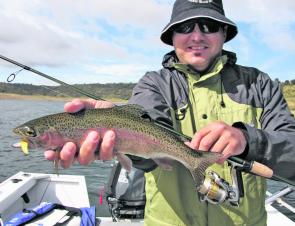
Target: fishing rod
(24,67)
(248,166)
(241,164)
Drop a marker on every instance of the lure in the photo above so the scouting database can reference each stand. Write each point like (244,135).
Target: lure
(24,145)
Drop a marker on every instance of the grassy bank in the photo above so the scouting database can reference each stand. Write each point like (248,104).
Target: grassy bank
(31,97)
(41,97)
(289,94)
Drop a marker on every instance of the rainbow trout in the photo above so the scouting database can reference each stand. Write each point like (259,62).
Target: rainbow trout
(134,136)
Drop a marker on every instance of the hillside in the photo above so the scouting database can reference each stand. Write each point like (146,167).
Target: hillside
(106,91)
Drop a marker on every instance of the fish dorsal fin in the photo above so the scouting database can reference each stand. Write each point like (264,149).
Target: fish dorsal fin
(132,109)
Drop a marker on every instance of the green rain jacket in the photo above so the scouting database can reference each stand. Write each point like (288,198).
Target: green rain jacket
(241,96)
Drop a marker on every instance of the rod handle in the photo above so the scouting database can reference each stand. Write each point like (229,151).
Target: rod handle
(261,170)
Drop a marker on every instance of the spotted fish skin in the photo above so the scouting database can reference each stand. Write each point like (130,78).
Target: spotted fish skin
(134,136)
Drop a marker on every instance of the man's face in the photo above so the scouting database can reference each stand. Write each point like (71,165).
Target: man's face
(198,47)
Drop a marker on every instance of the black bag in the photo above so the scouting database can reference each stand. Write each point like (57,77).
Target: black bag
(125,193)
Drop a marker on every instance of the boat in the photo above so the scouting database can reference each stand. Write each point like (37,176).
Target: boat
(275,205)
(26,190)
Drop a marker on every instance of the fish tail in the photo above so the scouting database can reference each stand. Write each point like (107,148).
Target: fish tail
(200,166)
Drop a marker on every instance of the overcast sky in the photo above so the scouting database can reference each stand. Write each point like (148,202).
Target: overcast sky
(84,41)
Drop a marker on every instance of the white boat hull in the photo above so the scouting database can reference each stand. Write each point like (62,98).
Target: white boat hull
(67,190)
(27,190)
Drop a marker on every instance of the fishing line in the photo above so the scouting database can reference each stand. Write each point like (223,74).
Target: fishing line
(55,91)
(46,188)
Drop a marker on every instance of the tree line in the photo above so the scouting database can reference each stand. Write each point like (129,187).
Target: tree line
(286,82)
(105,91)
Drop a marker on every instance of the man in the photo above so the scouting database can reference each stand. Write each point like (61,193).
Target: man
(224,107)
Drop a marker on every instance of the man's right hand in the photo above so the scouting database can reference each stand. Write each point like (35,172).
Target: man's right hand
(92,139)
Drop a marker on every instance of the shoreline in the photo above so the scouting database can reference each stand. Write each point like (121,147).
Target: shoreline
(13,96)
(10,96)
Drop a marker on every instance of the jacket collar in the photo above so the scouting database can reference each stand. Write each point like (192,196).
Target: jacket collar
(170,58)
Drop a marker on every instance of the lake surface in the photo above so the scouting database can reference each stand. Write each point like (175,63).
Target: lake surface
(12,160)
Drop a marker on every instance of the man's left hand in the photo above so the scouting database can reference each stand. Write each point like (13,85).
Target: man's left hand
(221,138)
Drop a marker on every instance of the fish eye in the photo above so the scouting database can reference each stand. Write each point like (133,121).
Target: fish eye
(29,132)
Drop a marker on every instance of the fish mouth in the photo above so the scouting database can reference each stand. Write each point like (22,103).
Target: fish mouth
(16,131)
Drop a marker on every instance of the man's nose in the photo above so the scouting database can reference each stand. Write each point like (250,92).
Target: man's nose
(196,33)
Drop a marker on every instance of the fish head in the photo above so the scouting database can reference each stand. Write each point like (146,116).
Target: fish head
(25,131)
(27,134)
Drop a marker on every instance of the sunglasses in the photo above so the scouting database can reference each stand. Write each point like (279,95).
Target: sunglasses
(206,26)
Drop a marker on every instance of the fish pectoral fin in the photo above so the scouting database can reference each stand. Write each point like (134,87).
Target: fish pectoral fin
(125,161)
(164,163)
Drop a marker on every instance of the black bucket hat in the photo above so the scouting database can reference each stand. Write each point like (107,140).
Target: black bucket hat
(184,10)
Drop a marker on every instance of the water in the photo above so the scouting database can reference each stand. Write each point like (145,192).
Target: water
(12,160)
(16,112)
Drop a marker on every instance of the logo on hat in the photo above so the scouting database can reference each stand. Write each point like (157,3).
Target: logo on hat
(201,1)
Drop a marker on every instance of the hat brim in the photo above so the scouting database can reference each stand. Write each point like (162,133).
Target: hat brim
(166,35)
